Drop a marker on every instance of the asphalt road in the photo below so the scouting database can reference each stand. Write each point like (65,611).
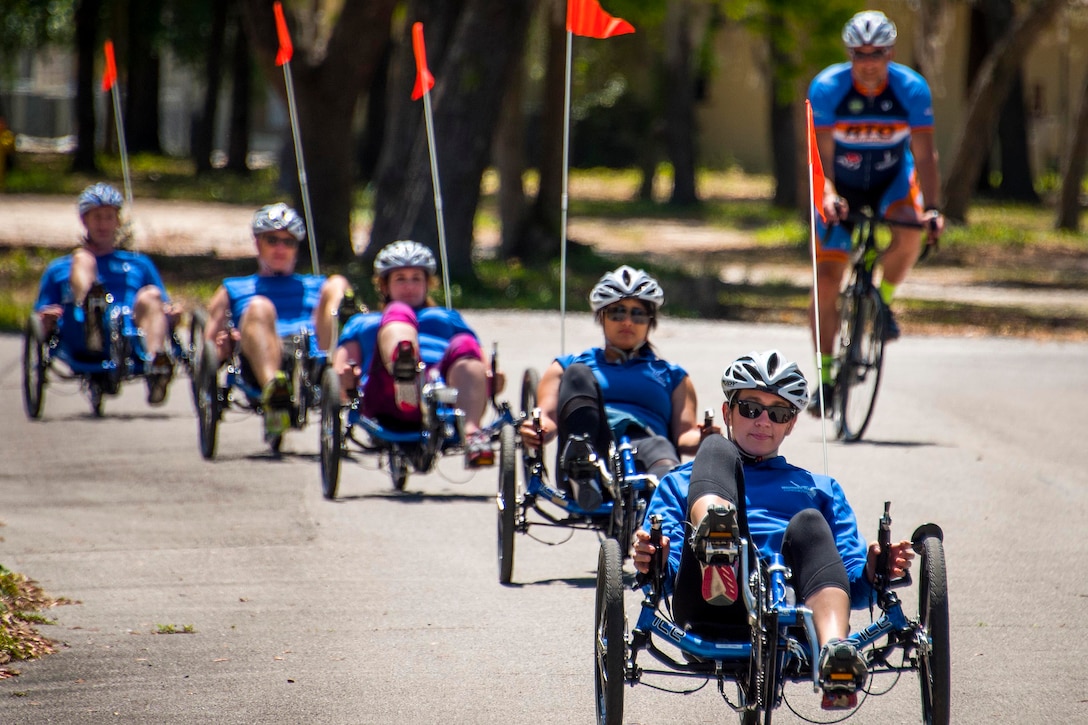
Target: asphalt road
(385,608)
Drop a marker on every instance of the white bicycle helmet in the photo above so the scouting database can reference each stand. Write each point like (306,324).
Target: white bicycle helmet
(869,27)
(767,371)
(97,195)
(275,217)
(623,283)
(404,253)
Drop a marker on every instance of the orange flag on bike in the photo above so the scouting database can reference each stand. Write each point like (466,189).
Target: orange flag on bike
(588,19)
(815,166)
(287,49)
(109,76)
(424,79)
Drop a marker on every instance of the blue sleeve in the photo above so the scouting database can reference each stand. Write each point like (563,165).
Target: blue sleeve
(824,93)
(670,501)
(919,98)
(152,277)
(851,546)
(460,326)
(49,289)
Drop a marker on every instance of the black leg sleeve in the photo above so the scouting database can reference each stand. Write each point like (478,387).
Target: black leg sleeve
(808,548)
(581,409)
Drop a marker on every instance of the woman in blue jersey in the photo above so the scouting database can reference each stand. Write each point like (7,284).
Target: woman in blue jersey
(379,351)
(786,509)
(620,388)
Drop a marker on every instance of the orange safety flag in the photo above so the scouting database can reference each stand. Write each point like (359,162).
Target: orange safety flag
(816,167)
(586,18)
(286,48)
(424,79)
(109,76)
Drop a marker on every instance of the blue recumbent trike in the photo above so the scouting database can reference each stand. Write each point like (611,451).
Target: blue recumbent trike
(62,355)
(346,430)
(779,642)
(219,386)
(534,502)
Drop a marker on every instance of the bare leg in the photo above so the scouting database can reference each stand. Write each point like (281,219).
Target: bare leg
(830,613)
(83,273)
(150,316)
(469,376)
(901,255)
(828,279)
(261,346)
(700,505)
(331,294)
(390,335)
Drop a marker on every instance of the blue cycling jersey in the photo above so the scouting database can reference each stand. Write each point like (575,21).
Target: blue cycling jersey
(294,297)
(121,272)
(635,392)
(437,325)
(774,492)
(872,132)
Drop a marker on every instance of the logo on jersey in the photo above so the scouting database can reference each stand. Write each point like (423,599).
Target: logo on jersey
(850,160)
(855,105)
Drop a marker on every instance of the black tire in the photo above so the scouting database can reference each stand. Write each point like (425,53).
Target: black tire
(530,380)
(34,364)
(861,360)
(934,669)
(398,468)
(207,401)
(769,666)
(332,433)
(507,501)
(197,326)
(96,395)
(609,646)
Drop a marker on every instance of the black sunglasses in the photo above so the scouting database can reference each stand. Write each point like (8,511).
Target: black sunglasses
(871,55)
(777,413)
(638,315)
(286,240)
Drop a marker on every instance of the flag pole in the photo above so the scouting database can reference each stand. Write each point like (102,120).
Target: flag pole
(111,73)
(813,155)
(564,199)
(425,83)
(284,58)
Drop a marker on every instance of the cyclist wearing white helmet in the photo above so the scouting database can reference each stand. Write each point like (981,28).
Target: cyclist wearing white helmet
(740,485)
(622,387)
(262,309)
(77,290)
(874,132)
(379,351)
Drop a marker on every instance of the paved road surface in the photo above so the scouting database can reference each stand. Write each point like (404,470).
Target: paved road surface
(385,608)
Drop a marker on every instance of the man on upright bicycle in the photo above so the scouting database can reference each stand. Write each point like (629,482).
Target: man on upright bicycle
(874,132)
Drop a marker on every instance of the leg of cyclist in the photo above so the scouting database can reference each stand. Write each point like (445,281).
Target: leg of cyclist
(332,291)
(149,314)
(262,349)
(584,434)
(901,202)
(832,261)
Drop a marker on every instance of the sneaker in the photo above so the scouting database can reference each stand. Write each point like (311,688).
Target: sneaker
(94,317)
(406,377)
(842,673)
(582,466)
(478,450)
(276,403)
(889,328)
(158,378)
(716,543)
(827,392)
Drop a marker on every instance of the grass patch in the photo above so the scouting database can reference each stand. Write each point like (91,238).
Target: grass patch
(174,629)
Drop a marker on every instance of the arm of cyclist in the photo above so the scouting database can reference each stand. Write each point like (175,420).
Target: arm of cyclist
(217,331)
(835,207)
(547,399)
(689,432)
(924,150)
(901,555)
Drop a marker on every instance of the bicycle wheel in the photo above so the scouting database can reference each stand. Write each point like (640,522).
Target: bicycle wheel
(507,502)
(34,364)
(332,433)
(197,325)
(529,383)
(398,468)
(609,640)
(207,401)
(861,358)
(934,667)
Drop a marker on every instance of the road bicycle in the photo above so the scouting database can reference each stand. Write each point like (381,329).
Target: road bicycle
(859,353)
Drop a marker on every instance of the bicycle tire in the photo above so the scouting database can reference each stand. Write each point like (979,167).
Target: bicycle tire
(609,647)
(934,667)
(507,502)
(861,359)
(331,433)
(34,365)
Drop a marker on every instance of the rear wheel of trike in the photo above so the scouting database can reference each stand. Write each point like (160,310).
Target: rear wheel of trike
(934,667)
(609,646)
(332,433)
(507,501)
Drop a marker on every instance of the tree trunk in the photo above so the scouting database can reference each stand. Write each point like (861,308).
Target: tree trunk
(471,77)
(204,131)
(86,41)
(142,109)
(680,130)
(783,128)
(328,79)
(240,92)
(1076,157)
(511,161)
(988,93)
